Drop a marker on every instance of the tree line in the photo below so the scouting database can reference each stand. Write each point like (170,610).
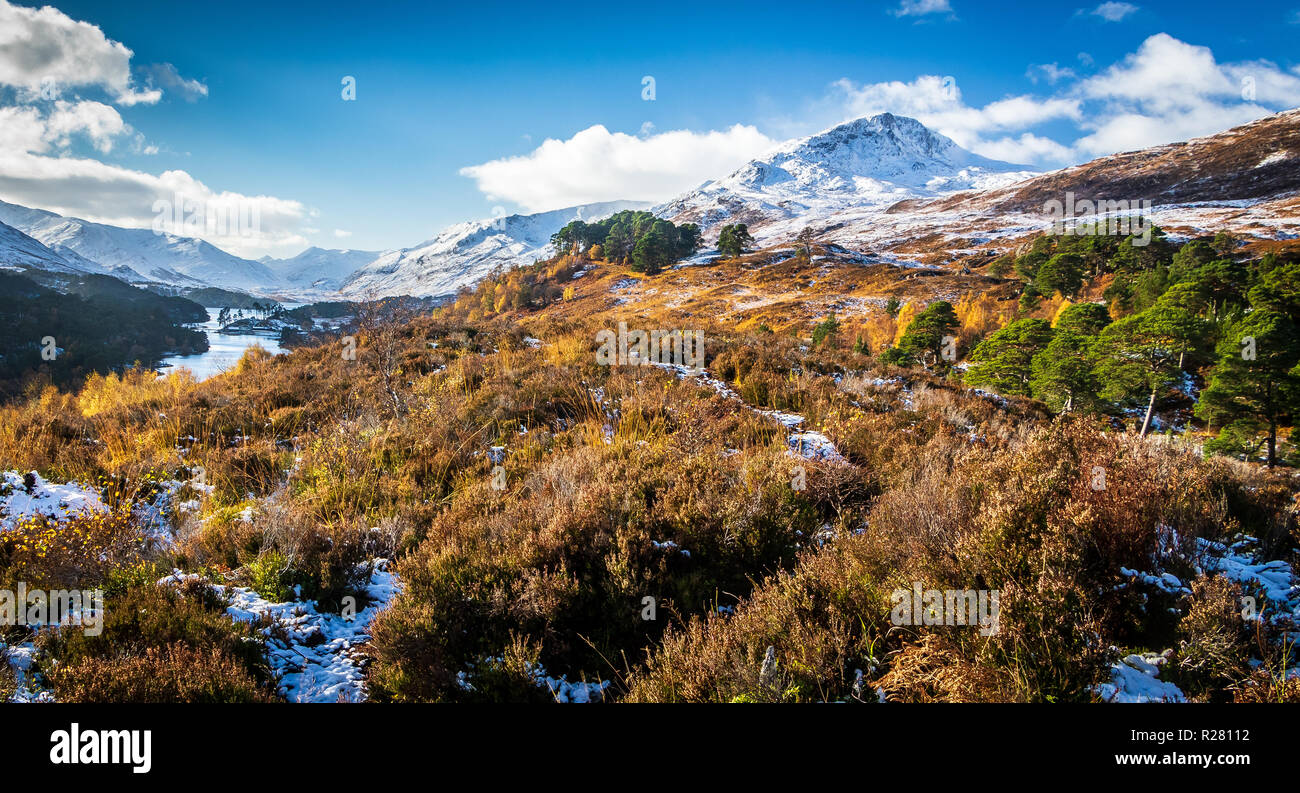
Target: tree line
(1171,312)
(634,238)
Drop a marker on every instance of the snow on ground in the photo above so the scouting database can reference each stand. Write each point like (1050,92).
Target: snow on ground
(313,654)
(19,658)
(1274,579)
(1166,582)
(815,446)
(46,498)
(564,691)
(560,687)
(805,443)
(1137,679)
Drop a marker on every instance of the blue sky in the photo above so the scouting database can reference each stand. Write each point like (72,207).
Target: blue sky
(250,107)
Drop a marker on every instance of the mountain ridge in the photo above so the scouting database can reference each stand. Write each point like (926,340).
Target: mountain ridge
(867,162)
(461,254)
(171,259)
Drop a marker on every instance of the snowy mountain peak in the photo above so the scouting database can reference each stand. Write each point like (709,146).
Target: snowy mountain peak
(883,148)
(139,253)
(869,162)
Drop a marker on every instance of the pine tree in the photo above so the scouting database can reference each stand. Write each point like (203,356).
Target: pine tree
(926,336)
(1141,354)
(1062,273)
(1063,376)
(734,239)
(1255,387)
(651,252)
(826,329)
(1087,319)
(1004,361)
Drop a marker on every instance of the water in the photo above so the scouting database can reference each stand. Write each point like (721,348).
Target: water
(224,349)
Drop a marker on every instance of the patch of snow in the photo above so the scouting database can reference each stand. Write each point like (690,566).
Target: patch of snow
(19,658)
(314,655)
(1137,679)
(47,499)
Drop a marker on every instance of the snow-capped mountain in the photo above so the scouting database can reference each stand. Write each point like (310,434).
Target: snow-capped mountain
(864,164)
(860,167)
(1245,180)
(320,269)
(20,252)
(180,261)
(462,254)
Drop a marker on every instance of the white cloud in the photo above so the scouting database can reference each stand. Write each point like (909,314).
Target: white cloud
(341,234)
(31,129)
(1025,148)
(1168,90)
(598,165)
(166,76)
(1053,73)
(43,48)
(1113,12)
(1163,70)
(47,56)
(98,122)
(918,8)
(103,193)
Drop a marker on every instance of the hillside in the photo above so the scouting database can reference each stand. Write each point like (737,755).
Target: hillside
(166,258)
(509,512)
(60,328)
(462,254)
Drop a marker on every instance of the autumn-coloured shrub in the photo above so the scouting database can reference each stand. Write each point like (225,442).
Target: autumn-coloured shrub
(177,674)
(79,549)
(1214,641)
(153,618)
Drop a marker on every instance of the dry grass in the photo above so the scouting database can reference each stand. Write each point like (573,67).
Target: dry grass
(313,464)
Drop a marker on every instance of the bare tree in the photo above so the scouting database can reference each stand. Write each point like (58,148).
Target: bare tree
(382,327)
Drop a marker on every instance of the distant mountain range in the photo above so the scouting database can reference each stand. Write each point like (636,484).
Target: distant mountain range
(140,254)
(462,254)
(886,186)
(319,269)
(20,252)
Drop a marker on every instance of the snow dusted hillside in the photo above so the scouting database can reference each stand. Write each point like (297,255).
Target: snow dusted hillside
(20,252)
(864,165)
(319,268)
(462,254)
(181,261)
